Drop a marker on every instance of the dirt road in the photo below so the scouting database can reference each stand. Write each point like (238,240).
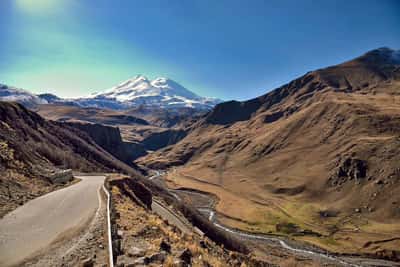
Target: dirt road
(33,227)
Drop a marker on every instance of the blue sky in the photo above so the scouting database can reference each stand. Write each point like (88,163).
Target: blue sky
(222,48)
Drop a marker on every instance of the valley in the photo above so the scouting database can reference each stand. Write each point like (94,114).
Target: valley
(305,174)
(315,160)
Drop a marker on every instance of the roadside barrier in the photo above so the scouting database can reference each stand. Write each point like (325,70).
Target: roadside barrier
(110,250)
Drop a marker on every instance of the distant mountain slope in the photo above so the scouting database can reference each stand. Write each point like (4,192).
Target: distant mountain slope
(160,93)
(318,154)
(68,113)
(132,123)
(8,93)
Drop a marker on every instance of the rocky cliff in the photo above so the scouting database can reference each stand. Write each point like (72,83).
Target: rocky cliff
(109,138)
(162,139)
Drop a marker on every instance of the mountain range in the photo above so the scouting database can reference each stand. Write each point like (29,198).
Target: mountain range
(139,91)
(315,160)
(318,155)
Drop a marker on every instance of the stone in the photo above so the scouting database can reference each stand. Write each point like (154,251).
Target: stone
(180,263)
(186,256)
(164,246)
(370,209)
(203,244)
(136,252)
(88,263)
(357,210)
(120,233)
(157,257)
(101,246)
(142,261)
(124,261)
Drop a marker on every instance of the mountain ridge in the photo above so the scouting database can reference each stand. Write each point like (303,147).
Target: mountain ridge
(324,143)
(161,93)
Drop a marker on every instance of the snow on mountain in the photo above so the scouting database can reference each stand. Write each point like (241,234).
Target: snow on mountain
(160,92)
(139,91)
(8,93)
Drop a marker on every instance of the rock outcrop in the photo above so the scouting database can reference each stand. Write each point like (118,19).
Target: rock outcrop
(162,139)
(109,138)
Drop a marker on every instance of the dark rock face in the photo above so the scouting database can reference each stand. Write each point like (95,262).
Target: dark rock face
(50,98)
(109,138)
(233,111)
(349,169)
(159,140)
(353,169)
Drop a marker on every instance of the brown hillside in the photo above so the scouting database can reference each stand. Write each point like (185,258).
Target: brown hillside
(32,148)
(321,152)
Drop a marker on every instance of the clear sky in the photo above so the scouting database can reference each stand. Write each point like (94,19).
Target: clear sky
(222,48)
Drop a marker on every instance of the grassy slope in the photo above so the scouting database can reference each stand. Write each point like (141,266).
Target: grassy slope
(274,165)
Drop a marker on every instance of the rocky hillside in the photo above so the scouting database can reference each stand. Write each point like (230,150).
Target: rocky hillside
(32,149)
(141,128)
(319,153)
(162,139)
(109,138)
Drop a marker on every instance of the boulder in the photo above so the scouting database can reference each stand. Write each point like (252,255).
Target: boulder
(88,262)
(157,257)
(136,252)
(164,246)
(186,256)
(124,261)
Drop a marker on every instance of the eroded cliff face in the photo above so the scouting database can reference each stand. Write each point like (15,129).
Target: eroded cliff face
(162,139)
(109,138)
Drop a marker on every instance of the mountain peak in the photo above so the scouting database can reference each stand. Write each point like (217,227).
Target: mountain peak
(383,55)
(161,92)
(140,77)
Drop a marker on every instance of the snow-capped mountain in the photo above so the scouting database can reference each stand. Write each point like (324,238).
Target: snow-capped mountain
(160,92)
(8,93)
(139,91)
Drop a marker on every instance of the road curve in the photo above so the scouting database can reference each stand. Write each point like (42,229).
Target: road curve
(33,227)
(169,215)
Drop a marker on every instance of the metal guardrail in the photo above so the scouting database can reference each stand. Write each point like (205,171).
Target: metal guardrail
(110,249)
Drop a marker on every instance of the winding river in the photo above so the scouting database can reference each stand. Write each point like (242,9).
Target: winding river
(308,252)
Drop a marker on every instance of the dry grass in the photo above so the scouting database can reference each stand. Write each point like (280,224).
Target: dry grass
(254,166)
(293,262)
(133,219)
